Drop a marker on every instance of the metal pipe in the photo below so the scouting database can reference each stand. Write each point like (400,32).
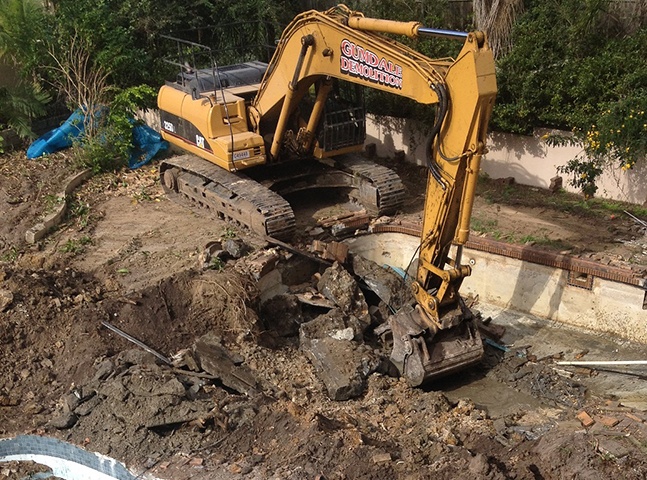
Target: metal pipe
(139,343)
(604,362)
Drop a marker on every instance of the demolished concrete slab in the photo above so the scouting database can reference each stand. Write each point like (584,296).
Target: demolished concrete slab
(339,286)
(389,286)
(338,365)
(214,359)
(331,343)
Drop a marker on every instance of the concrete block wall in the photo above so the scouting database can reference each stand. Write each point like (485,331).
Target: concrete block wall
(526,158)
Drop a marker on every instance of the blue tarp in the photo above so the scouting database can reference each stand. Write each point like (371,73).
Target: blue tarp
(147,141)
(59,138)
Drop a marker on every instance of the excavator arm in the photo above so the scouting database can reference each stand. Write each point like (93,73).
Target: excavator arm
(438,335)
(339,43)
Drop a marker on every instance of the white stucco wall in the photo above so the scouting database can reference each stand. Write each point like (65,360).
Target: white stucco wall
(526,158)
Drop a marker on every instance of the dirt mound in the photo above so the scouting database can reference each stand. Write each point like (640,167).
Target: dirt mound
(77,380)
(243,398)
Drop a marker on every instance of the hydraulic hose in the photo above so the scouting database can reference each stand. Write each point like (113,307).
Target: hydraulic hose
(443,105)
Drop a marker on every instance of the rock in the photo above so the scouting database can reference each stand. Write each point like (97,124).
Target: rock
(214,359)
(235,247)
(86,407)
(71,401)
(6,297)
(381,458)
(556,184)
(135,356)
(387,284)
(479,466)
(345,334)
(64,421)
(172,387)
(339,366)
(104,369)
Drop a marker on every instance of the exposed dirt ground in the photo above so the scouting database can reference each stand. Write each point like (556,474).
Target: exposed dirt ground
(127,256)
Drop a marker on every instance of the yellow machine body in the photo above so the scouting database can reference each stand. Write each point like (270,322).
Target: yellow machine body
(244,126)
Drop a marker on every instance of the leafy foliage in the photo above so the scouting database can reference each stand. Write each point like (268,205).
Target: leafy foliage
(22,35)
(108,147)
(18,105)
(575,67)
(126,34)
(21,24)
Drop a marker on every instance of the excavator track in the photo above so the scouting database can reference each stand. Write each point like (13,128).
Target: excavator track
(227,195)
(257,201)
(380,189)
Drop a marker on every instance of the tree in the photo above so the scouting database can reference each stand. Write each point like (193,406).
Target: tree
(21,46)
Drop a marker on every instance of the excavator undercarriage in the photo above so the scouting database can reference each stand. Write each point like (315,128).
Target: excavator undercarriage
(256,200)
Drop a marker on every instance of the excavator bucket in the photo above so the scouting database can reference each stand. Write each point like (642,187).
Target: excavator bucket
(421,353)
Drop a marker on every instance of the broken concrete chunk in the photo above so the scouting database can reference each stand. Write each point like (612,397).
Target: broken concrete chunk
(104,369)
(335,251)
(337,363)
(610,446)
(271,285)
(387,284)
(71,401)
(6,297)
(262,263)
(343,366)
(64,421)
(329,324)
(314,299)
(184,358)
(235,247)
(338,285)
(214,359)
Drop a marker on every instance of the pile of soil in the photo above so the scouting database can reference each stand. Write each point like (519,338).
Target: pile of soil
(65,374)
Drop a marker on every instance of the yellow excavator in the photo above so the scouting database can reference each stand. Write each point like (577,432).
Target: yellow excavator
(284,125)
